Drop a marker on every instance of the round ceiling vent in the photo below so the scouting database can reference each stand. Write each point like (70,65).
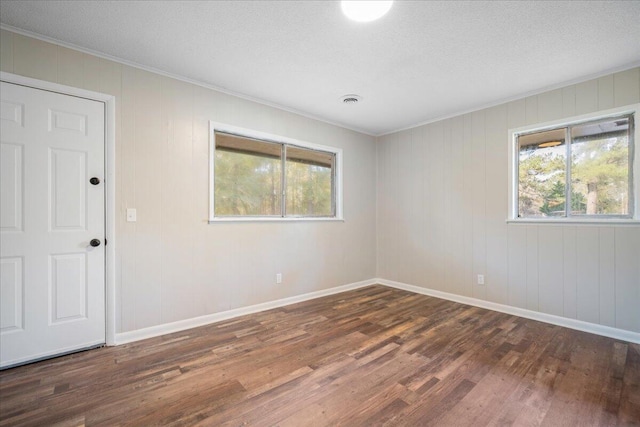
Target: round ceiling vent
(351,99)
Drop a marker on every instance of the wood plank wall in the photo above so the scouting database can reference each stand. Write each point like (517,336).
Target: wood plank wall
(441,192)
(442,205)
(172,265)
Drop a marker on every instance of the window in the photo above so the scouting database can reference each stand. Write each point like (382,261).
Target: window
(579,170)
(260,176)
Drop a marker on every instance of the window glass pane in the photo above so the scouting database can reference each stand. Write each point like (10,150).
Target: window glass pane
(309,182)
(600,167)
(248,177)
(542,174)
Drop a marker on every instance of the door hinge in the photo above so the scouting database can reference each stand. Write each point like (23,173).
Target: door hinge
(105,242)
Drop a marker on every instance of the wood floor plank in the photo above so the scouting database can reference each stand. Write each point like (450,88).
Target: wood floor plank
(370,357)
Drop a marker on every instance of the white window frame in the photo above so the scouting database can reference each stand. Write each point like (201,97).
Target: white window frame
(572,121)
(267,137)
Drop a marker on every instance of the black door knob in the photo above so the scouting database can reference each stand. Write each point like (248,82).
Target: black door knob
(94,181)
(94,242)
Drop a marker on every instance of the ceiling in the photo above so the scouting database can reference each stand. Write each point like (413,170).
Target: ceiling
(420,62)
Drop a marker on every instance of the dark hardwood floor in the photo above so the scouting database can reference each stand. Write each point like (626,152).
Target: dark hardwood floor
(374,356)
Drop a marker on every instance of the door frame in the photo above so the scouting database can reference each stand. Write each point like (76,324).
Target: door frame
(109,182)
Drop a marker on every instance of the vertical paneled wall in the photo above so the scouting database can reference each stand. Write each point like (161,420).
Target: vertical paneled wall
(442,210)
(441,193)
(171,264)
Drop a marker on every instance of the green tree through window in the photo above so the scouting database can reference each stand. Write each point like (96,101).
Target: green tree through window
(251,174)
(590,159)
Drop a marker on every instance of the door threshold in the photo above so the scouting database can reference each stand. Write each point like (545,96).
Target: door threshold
(52,356)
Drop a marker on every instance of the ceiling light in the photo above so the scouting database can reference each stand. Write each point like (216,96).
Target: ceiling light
(350,99)
(365,11)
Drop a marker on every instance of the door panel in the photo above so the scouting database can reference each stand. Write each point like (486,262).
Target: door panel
(11,170)
(67,190)
(53,286)
(64,121)
(11,294)
(68,285)
(11,113)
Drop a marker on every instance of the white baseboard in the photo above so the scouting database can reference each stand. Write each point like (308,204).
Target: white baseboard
(579,325)
(181,325)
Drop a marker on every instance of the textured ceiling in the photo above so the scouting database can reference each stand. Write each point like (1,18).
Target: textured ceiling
(421,61)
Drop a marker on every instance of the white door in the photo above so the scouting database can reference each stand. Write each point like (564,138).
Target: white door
(52,298)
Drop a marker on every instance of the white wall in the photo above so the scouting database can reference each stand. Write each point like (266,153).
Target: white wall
(171,264)
(442,205)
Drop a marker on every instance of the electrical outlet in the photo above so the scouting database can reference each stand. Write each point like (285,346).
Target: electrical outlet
(480,279)
(131,215)
(279,278)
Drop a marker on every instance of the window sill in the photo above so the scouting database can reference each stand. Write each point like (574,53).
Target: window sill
(571,221)
(275,219)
